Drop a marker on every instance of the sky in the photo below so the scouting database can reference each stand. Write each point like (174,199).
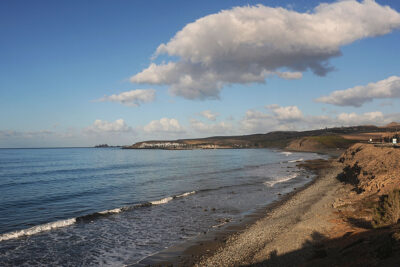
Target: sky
(81,73)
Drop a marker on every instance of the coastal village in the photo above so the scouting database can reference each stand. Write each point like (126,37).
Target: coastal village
(181,146)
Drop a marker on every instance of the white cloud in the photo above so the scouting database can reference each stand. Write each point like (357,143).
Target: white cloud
(358,95)
(100,126)
(248,44)
(256,121)
(278,118)
(208,114)
(131,98)
(289,113)
(375,117)
(214,128)
(164,125)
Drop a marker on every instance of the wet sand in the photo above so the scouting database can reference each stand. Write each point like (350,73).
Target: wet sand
(281,227)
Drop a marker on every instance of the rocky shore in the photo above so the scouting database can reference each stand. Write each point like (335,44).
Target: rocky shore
(294,225)
(243,243)
(332,222)
(329,222)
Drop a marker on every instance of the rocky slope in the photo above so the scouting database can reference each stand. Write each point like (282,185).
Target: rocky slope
(372,168)
(329,223)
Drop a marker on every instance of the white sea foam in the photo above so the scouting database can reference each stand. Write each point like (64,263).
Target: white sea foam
(281,179)
(286,153)
(162,201)
(117,210)
(168,199)
(186,194)
(296,160)
(53,225)
(37,229)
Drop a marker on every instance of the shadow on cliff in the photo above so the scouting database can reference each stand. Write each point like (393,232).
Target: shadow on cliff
(374,247)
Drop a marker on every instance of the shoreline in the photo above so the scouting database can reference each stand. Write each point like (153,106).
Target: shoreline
(285,227)
(198,250)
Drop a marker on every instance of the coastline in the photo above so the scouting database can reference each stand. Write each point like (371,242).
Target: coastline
(291,224)
(232,244)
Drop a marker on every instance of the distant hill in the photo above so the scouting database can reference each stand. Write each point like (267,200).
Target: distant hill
(393,125)
(277,139)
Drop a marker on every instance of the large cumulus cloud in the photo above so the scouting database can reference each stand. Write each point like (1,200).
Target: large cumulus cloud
(248,44)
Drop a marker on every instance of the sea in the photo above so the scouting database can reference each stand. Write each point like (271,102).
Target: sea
(115,207)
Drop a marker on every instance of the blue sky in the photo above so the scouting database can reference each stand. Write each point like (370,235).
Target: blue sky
(60,61)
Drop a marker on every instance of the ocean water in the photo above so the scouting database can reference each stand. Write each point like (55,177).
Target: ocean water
(113,207)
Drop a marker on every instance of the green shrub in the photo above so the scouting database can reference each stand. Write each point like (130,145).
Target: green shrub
(387,211)
(350,174)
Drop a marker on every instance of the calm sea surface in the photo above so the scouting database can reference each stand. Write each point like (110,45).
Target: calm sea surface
(88,206)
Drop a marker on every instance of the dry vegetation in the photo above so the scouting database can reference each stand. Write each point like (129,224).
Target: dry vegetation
(387,210)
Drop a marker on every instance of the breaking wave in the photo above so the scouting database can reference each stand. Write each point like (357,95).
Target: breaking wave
(86,218)
(282,179)
(186,194)
(37,229)
(168,199)
(162,201)
(286,153)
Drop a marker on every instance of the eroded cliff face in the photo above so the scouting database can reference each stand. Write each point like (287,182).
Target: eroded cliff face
(370,172)
(371,169)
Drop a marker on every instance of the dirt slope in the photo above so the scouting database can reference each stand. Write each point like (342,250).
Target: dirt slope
(373,169)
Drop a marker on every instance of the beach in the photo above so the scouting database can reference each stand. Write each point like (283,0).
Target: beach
(292,223)
(291,226)
(327,222)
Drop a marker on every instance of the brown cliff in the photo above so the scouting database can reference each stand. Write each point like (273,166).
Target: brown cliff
(375,168)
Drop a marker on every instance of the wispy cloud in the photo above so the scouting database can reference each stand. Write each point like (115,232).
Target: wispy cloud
(100,126)
(223,128)
(208,114)
(25,134)
(248,44)
(133,98)
(357,96)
